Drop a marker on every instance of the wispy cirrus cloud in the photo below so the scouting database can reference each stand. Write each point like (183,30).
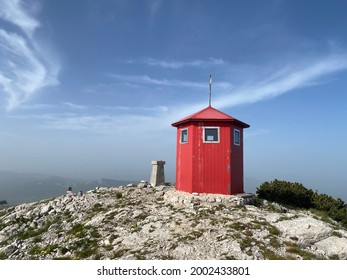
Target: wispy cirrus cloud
(16,12)
(74,106)
(25,66)
(130,120)
(172,64)
(129,123)
(97,119)
(145,79)
(283,80)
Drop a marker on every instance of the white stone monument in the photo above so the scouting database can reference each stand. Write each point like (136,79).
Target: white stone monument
(157,175)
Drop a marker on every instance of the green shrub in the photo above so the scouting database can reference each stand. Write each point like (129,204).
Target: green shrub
(326,203)
(286,192)
(119,195)
(84,248)
(2,225)
(94,233)
(270,255)
(274,230)
(97,207)
(50,248)
(119,253)
(334,257)
(35,250)
(295,194)
(63,250)
(295,249)
(3,256)
(77,230)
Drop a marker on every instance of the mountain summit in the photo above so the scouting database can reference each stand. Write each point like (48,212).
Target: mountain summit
(143,222)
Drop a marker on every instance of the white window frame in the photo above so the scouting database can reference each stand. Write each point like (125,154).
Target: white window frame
(239,132)
(183,142)
(210,127)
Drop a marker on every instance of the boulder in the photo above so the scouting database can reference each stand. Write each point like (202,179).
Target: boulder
(305,229)
(333,245)
(279,207)
(273,217)
(143,184)
(96,220)
(45,209)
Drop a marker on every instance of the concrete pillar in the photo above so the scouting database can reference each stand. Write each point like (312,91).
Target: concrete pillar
(157,175)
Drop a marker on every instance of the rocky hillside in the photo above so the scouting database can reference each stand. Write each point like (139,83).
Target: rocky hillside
(142,222)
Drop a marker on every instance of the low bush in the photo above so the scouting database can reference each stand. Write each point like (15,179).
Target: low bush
(295,194)
(286,192)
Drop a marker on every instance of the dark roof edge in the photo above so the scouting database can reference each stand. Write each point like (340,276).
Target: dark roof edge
(244,125)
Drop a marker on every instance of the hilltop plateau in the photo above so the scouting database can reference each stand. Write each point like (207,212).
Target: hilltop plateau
(144,222)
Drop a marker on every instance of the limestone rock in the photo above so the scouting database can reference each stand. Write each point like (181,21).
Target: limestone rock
(96,220)
(143,184)
(2,237)
(333,246)
(306,229)
(272,217)
(161,223)
(279,207)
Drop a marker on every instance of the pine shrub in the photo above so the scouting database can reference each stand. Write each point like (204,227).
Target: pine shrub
(295,194)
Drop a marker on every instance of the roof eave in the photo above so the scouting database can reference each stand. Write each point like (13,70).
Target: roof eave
(242,124)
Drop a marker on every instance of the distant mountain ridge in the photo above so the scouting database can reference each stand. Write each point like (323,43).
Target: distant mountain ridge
(17,188)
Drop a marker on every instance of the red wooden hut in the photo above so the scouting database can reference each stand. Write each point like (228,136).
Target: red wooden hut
(209,155)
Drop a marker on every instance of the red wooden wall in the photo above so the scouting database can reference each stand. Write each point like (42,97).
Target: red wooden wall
(209,167)
(184,161)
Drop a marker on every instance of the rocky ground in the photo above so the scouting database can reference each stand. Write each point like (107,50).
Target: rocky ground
(142,222)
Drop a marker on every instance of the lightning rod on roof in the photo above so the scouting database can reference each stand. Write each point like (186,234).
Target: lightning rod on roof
(209,101)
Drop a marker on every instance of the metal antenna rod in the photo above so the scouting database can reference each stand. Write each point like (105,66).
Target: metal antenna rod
(209,101)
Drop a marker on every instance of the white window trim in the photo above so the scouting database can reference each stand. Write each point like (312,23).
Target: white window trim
(237,144)
(181,136)
(209,127)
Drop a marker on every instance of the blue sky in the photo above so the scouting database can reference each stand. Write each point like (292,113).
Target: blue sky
(90,88)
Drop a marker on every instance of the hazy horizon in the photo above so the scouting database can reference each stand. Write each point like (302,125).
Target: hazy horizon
(89,89)
(17,188)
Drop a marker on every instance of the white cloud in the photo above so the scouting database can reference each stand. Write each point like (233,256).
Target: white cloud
(36,107)
(110,120)
(135,108)
(281,81)
(25,66)
(284,80)
(134,121)
(145,79)
(112,124)
(74,106)
(179,64)
(14,12)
